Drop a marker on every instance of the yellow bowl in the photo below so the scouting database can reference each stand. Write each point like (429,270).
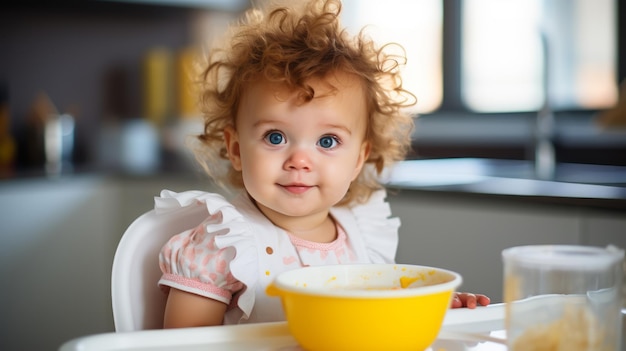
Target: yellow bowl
(365,306)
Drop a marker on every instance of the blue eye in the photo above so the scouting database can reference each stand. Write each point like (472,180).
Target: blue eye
(275,138)
(327,142)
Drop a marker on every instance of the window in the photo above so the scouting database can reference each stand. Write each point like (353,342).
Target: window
(417,26)
(517,53)
(512,54)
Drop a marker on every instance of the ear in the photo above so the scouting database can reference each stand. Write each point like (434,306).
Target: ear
(364,153)
(231,138)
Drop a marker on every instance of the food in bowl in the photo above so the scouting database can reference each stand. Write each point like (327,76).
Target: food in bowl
(365,306)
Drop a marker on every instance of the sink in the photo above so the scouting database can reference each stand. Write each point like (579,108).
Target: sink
(456,171)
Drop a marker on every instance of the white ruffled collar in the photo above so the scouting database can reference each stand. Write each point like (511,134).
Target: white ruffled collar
(373,235)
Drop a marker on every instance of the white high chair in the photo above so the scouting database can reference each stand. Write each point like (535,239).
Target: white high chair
(137,301)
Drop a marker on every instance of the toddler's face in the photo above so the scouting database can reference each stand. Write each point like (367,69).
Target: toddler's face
(299,158)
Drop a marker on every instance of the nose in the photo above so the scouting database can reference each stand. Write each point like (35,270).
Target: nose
(298,160)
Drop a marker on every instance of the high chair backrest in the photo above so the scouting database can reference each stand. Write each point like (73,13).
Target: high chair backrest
(137,301)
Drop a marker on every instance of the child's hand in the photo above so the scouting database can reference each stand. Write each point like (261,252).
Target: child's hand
(469,300)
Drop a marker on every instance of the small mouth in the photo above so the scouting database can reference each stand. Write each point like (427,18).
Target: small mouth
(296,188)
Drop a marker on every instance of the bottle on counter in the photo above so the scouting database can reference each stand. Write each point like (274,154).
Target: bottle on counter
(7,142)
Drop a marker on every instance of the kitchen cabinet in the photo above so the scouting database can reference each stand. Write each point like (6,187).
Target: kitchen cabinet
(467,234)
(223,5)
(59,236)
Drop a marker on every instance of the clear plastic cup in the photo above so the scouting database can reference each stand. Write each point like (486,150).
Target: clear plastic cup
(563,297)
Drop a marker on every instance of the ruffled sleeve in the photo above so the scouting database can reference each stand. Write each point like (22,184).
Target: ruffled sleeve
(201,260)
(379,230)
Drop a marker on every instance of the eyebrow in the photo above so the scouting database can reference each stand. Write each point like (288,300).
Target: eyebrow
(342,127)
(260,124)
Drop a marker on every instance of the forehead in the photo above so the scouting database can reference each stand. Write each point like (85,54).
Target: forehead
(334,86)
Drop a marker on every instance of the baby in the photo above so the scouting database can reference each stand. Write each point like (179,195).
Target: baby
(301,118)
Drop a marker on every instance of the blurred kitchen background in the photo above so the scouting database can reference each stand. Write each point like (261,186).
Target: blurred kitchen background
(96,107)
(93,73)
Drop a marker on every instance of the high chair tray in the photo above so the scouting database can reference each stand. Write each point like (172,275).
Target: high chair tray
(479,329)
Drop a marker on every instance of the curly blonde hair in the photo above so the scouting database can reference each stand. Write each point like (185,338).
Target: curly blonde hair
(290,45)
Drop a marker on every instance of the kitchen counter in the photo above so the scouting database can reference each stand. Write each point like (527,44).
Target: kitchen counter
(594,186)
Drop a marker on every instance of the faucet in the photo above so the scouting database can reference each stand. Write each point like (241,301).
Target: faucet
(544,156)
